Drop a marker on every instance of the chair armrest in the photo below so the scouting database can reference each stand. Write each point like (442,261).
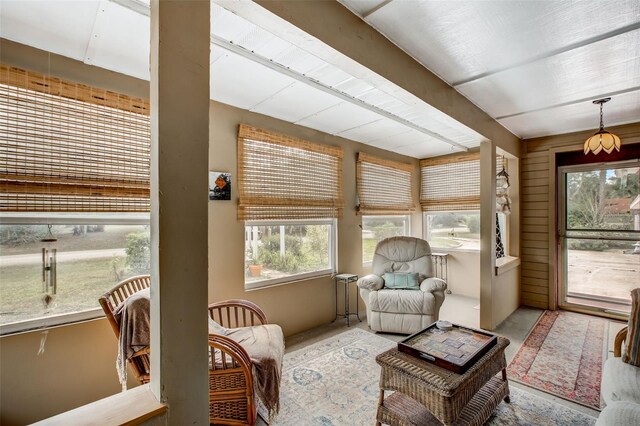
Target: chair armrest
(617,343)
(433,284)
(371,282)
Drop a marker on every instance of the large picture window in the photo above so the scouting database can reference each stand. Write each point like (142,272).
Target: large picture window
(290,193)
(76,158)
(280,252)
(89,259)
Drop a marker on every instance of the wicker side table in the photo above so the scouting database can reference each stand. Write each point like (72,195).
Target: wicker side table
(426,394)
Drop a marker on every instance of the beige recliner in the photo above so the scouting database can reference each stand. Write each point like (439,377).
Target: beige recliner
(402,311)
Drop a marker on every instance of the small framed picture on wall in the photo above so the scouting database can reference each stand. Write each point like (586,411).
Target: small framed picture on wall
(219,186)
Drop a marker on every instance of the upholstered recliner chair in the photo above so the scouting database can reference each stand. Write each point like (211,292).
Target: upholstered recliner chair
(402,262)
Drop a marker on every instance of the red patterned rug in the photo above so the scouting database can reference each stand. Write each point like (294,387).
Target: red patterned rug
(563,356)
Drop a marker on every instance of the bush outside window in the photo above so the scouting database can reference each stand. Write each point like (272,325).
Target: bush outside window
(279,252)
(377,228)
(91,258)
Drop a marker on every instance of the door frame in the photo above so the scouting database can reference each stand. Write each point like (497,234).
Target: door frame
(559,230)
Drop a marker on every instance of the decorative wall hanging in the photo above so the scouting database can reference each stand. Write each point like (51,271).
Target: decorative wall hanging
(219,186)
(503,205)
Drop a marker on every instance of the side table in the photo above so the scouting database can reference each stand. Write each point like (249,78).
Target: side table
(426,394)
(346,279)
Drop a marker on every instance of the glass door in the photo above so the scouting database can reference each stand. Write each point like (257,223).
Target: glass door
(599,236)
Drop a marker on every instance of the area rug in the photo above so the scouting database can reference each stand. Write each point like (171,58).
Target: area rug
(334,382)
(563,355)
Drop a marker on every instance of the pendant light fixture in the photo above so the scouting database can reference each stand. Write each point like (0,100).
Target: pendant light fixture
(602,140)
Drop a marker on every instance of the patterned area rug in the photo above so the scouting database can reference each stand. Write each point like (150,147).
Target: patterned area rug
(335,382)
(563,355)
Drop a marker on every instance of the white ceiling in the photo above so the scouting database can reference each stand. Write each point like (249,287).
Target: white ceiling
(534,66)
(258,69)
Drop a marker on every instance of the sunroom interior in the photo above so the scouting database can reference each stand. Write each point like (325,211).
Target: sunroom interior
(338,74)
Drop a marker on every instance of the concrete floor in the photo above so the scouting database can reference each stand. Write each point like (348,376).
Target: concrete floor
(461,310)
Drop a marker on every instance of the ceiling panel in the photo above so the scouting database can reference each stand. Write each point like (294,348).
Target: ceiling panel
(296,102)
(120,37)
(48,26)
(595,70)
(339,118)
(459,40)
(425,151)
(382,129)
(585,115)
(234,82)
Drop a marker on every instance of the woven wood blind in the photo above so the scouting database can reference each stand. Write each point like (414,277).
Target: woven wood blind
(450,183)
(384,186)
(281,177)
(68,147)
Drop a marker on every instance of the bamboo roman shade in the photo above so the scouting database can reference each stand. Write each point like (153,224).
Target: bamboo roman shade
(284,178)
(450,183)
(384,186)
(68,147)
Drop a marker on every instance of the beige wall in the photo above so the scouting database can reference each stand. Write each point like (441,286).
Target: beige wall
(301,305)
(538,189)
(78,366)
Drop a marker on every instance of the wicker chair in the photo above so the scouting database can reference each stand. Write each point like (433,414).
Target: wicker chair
(231,396)
(109,301)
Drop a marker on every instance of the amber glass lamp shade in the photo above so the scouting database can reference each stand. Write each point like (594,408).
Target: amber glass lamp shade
(602,140)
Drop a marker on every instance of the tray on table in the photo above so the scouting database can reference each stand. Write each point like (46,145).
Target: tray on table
(455,349)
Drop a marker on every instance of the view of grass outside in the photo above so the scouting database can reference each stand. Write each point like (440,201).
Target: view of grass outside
(90,260)
(377,228)
(279,251)
(453,230)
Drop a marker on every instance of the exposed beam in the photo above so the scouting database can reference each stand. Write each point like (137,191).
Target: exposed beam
(577,101)
(545,55)
(135,5)
(375,9)
(241,51)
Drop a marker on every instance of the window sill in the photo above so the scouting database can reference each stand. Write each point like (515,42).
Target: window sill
(505,264)
(448,250)
(293,280)
(132,407)
(52,321)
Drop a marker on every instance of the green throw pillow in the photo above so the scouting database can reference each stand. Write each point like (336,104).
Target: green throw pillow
(401,280)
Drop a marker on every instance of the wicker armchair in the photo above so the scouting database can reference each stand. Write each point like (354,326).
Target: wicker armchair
(231,396)
(109,301)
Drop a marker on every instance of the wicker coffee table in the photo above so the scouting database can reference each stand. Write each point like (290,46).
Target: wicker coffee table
(426,394)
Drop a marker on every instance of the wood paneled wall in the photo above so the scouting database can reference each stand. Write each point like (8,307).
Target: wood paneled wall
(538,210)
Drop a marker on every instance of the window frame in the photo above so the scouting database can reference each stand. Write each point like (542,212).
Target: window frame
(46,322)
(333,255)
(407,233)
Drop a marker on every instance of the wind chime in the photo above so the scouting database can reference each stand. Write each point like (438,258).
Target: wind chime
(49,274)
(503,205)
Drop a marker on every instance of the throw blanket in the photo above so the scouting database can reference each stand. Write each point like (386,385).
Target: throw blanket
(134,330)
(265,346)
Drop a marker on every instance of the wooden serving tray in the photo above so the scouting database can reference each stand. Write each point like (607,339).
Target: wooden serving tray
(456,349)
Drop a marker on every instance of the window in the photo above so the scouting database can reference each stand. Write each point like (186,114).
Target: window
(280,252)
(78,158)
(453,230)
(290,193)
(89,258)
(377,228)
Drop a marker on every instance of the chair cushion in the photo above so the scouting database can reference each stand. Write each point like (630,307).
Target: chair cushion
(401,280)
(402,302)
(631,354)
(620,381)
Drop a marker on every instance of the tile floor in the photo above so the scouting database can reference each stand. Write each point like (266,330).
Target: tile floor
(461,310)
